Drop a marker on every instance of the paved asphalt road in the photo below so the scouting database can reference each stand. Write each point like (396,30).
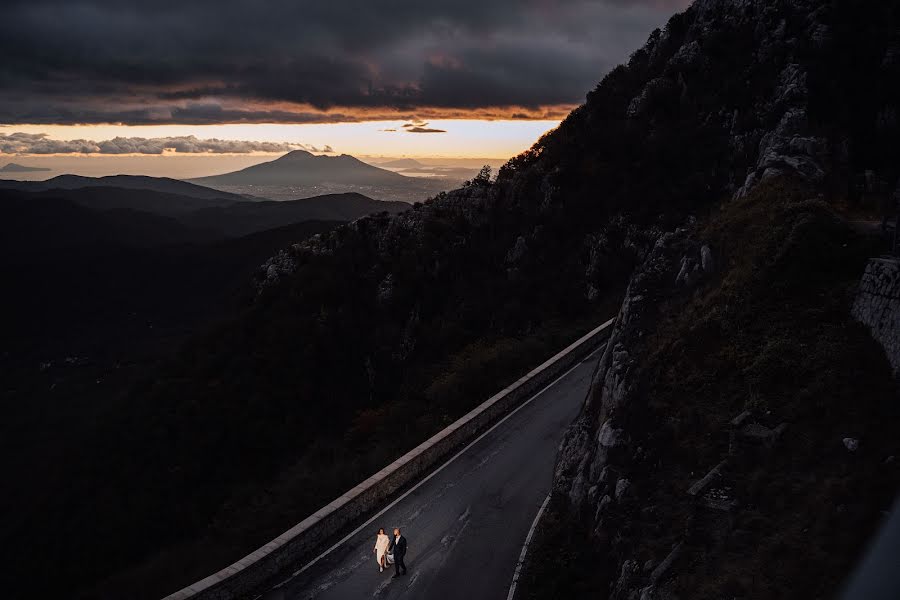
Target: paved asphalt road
(466,524)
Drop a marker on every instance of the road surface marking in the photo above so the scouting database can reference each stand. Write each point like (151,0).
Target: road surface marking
(515,579)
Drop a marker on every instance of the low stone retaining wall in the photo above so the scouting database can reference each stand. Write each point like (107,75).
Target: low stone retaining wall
(877,305)
(283,553)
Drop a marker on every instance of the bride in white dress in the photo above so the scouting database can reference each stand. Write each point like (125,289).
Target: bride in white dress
(382,542)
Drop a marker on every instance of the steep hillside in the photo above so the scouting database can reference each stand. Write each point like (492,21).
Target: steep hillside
(734,354)
(88,311)
(402,323)
(738,437)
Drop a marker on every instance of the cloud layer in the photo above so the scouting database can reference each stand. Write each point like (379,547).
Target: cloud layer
(219,61)
(419,127)
(39,143)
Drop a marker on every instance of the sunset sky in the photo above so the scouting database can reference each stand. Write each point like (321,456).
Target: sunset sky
(394,78)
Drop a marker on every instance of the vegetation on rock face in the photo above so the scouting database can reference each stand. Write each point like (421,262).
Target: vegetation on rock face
(771,332)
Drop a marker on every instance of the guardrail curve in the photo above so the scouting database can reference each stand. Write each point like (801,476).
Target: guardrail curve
(254,570)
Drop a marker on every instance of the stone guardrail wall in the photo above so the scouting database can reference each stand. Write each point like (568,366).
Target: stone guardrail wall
(877,305)
(257,568)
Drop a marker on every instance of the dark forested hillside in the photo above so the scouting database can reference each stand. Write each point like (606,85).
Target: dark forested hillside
(241,218)
(752,362)
(406,321)
(92,302)
(139,216)
(162,185)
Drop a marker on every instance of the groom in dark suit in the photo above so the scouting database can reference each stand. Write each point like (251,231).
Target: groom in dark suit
(398,547)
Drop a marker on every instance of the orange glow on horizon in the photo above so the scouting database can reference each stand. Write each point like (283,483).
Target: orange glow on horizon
(461,138)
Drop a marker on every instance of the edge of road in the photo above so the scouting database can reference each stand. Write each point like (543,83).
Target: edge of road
(265,563)
(524,554)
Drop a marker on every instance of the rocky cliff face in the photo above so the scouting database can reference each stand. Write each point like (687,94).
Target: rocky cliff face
(608,443)
(586,472)
(717,426)
(771,132)
(775,63)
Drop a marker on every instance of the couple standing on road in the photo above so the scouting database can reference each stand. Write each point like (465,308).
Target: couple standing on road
(389,551)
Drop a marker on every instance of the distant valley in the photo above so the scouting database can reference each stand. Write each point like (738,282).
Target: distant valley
(448,171)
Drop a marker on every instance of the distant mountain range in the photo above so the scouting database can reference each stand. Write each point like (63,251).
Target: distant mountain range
(191,212)
(17,168)
(301,168)
(128,182)
(299,174)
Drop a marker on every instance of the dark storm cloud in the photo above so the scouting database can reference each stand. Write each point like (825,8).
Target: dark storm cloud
(420,127)
(39,143)
(215,61)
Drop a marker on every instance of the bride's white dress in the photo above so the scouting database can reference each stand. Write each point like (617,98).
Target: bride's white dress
(381,545)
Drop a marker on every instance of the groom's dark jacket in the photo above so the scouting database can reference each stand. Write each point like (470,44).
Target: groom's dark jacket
(398,547)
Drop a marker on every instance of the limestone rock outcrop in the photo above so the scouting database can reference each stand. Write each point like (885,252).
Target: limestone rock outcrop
(606,444)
